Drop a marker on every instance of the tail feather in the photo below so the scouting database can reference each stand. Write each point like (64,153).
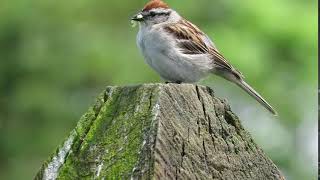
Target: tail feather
(241,83)
(235,78)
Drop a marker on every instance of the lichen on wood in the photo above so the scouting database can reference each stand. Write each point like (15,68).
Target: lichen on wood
(159,131)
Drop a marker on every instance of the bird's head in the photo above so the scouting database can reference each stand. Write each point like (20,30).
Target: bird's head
(154,12)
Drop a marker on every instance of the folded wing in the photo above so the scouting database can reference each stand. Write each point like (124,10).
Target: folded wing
(192,41)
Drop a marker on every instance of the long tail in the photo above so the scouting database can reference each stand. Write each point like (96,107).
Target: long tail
(241,83)
(238,80)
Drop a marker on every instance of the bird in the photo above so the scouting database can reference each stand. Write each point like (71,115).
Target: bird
(180,52)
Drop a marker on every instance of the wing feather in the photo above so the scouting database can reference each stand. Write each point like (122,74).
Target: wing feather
(192,41)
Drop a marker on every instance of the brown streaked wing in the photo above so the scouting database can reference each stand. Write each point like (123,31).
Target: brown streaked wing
(192,40)
(221,62)
(187,37)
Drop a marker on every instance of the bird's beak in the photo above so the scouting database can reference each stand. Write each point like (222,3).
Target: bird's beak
(137,17)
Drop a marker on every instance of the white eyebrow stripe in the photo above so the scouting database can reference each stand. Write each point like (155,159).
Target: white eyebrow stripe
(159,11)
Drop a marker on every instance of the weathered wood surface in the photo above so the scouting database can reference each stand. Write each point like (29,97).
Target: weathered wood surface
(159,131)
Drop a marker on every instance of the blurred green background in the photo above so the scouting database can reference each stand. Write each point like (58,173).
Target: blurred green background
(57,56)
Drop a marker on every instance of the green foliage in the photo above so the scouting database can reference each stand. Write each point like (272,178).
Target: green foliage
(55,56)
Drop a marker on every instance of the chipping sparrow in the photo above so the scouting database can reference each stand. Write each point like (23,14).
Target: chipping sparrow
(180,52)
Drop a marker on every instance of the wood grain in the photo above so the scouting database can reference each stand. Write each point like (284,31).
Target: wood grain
(159,131)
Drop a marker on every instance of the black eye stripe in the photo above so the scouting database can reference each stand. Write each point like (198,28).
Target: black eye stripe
(152,14)
(164,14)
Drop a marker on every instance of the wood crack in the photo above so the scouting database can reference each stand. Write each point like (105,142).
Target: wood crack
(205,144)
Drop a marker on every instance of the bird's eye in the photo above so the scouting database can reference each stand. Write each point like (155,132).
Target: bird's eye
(152,14)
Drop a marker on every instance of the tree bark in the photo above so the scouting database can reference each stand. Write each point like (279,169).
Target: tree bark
(159,131)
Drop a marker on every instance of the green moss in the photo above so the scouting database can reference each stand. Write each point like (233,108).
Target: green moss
(78,134)
(110,135)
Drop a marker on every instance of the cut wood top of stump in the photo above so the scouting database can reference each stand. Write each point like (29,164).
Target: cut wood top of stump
(159,131)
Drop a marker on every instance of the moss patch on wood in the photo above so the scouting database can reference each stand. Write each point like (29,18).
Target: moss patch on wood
(159,131)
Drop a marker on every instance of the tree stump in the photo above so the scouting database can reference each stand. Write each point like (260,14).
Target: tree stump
(159,131)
